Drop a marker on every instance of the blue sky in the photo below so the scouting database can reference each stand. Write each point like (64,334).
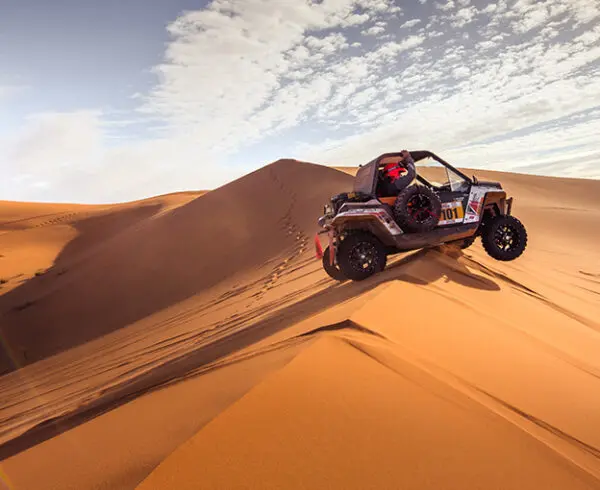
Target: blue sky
(110,101)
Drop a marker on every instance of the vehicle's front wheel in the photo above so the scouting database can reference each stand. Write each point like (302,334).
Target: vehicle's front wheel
(332,270)
(504,238)
(360,255)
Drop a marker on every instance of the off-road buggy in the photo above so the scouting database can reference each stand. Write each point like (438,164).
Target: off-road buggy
(438,204)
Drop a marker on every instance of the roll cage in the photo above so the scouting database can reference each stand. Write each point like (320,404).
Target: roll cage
(366,178)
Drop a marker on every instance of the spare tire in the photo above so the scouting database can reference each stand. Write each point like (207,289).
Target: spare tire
(417,209)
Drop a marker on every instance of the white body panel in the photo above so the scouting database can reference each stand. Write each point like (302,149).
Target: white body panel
(474,203)
(379,213)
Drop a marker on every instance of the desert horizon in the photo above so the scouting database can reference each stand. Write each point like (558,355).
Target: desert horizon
(194,328)
(349,169)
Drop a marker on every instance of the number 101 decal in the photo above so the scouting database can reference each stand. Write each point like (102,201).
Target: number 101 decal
(452,212)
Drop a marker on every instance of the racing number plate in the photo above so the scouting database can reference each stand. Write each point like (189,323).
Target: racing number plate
(452,212)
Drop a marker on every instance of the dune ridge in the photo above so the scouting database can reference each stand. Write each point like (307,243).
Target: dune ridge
(448,370)
(274,440)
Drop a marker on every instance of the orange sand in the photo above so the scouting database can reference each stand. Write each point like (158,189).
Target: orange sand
(195,342)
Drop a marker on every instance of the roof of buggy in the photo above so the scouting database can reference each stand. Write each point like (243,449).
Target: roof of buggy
(366,178)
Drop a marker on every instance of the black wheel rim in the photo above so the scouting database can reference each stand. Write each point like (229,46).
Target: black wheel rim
(506,238)
(419,208)
(363,257)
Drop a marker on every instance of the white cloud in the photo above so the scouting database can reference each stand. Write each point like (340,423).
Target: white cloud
(589,37)
(328,44)
(374,30)
(404,45)
(355,20)
(585,11)
(530,15)
(381,6)
(410,23)
(433,34)
(487,45)
(461,72)
(463,17)
(447,6)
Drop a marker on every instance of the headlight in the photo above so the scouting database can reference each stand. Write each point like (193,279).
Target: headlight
(328,209)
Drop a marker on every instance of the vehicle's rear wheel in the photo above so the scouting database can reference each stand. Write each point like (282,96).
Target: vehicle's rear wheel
(504,238)
(417,209)
(360,255)
(332,270)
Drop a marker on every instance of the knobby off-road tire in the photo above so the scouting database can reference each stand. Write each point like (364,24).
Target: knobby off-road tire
(332,270)
(417,209)
(504,238)
(360,255)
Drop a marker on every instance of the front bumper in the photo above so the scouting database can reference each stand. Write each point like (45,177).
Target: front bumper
(328,215)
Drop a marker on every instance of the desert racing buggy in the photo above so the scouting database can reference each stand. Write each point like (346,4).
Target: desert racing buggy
(434,204)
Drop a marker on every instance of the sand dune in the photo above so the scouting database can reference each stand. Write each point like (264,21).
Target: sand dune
(59,249)
(34,236)
(348,413)
(202,346)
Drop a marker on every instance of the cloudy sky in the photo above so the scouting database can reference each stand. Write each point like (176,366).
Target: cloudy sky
(109,101)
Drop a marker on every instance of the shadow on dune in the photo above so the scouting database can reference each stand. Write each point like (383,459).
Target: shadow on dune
(188,365)
(164,261)
(92,234)
(450,270)
(96,231)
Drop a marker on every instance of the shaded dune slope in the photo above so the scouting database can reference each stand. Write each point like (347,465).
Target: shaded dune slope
(165,260)
(44,237)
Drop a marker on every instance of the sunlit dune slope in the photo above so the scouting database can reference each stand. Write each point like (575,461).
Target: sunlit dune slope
(357,411)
